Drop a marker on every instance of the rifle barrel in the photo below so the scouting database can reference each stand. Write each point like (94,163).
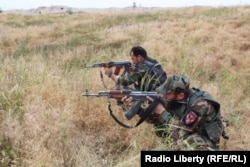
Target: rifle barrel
(118,94)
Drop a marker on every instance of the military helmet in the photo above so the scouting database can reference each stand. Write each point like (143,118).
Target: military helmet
(175,82)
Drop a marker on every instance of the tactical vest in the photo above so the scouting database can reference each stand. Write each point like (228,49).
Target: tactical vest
(213,129)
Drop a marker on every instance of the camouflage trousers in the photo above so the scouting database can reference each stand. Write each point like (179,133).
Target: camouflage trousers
(196,142)
(183,139)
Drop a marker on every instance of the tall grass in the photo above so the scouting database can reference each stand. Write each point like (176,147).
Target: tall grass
(44,120)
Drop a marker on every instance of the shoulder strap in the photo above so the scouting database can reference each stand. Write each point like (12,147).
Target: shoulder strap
(196,94)
(116,119)
(199,94)
(150,64)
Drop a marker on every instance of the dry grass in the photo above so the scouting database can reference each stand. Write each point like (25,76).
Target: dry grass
(44,121)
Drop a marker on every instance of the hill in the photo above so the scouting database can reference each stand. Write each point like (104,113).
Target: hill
(66,9)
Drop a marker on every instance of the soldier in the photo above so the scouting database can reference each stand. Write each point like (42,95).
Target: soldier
(146,74)
(195,113)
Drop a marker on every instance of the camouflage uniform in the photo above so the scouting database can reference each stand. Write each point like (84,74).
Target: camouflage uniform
(143,78)
(140,75)
(205,131)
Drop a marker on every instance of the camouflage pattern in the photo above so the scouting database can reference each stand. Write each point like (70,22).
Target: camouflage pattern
(135,76)
(172,83)
(195,141)
(140,76)
(203,134)
(198,135)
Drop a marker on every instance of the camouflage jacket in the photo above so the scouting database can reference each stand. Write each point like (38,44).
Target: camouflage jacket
(208,122)
(142,77)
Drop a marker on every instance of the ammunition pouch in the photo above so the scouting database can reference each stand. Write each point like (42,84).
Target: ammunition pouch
(214,131)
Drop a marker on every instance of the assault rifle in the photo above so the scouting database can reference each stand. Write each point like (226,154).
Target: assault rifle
(117,64)
(119,94)
(138,96)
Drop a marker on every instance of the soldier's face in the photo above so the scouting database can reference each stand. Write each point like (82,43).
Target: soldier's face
(170,96)
(133,59)
(136,59)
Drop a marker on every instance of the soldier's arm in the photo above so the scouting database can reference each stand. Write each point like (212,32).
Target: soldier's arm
(204,108)
(165,117)
(129,79)
(138,72)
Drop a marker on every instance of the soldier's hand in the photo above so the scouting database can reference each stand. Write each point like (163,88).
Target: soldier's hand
(150,99)
(159,109)
(108,71)
(127,100)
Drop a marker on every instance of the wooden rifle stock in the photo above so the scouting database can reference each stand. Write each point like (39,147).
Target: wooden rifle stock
(117,64)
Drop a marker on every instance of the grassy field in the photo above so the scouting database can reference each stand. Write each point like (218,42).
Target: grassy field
(44,120)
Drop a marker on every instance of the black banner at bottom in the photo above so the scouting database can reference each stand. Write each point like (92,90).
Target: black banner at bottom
(195,158)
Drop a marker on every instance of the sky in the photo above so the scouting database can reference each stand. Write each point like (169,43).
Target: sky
(30,4)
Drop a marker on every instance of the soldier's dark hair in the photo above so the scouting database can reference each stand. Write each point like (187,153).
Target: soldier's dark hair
(138,50)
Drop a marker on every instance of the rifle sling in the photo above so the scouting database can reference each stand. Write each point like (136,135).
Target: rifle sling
(146,113)
(116,119)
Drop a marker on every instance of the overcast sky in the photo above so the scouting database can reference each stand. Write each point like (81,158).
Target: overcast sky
(29,4)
